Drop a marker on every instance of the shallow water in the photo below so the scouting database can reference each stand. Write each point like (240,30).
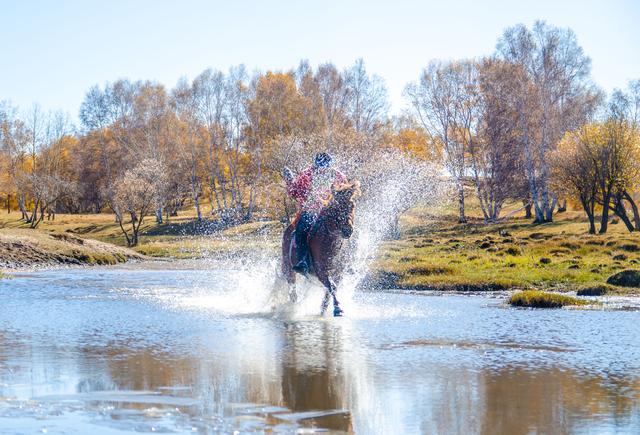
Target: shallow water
(199,348)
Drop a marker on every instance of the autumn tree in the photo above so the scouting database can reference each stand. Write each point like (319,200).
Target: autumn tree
(575,173)
(599,164)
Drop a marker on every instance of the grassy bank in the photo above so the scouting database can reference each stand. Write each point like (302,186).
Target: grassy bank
(97,239)
(20,248)
(433,251)
(436,252)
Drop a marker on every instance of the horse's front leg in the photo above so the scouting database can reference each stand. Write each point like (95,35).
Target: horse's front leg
(331,291)
(337,311)
(325,303)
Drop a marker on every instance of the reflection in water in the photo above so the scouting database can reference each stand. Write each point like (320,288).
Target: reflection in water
(115,350)
(558,401)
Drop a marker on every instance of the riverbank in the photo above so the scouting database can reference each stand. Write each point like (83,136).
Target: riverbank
(97,239)
(433,251)
(35,249)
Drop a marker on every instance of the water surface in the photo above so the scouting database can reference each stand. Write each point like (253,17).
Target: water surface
(199,348)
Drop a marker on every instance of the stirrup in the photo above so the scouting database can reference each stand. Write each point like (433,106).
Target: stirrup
(302,267)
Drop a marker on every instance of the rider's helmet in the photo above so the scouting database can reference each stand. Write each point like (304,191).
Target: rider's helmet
(322,160)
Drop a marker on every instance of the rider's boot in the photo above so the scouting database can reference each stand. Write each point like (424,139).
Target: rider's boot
(302,254)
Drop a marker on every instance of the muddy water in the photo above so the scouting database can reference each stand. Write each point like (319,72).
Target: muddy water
(199,349)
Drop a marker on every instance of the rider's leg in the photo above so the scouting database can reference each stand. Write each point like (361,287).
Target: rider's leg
(302,231)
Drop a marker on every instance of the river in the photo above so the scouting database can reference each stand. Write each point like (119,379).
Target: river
(198,347)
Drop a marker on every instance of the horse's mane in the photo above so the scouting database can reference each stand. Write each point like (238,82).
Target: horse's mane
(352,186)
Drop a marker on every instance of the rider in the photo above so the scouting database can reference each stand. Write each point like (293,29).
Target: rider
(311,188)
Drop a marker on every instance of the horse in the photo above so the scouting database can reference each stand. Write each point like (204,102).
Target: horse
(333,225)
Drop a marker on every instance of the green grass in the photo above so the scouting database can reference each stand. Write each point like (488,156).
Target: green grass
(436,252)
(539,299)
(607,290)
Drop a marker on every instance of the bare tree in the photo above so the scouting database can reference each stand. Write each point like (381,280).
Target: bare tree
(191,142)
(495,154)
(555,96)
(335,98)
(443,101)
(136,195)
(367,98)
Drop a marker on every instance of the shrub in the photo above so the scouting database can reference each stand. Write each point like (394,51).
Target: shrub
(626,278)
(539,299)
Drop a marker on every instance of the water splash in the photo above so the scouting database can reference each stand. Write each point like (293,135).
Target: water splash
(390,184)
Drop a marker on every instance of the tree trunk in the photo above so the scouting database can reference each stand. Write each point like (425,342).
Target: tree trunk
(527,210)
(539,214)
(22,207)
(461,217)
(562,207)
(604,220)
(621,212)
(589,208)
(124,231)
(634,209)
(592,223)
(196,203)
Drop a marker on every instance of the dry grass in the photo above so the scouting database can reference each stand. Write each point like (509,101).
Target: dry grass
(53,241)
(28,248)
(433,251)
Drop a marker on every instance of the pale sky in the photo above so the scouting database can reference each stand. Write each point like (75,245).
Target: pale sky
(51,52)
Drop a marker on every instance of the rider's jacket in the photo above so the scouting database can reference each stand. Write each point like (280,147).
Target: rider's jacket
(312,187)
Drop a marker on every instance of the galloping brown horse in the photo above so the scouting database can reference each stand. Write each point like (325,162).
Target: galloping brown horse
(334,224)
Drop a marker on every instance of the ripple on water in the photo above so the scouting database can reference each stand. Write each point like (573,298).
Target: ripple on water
(136,349)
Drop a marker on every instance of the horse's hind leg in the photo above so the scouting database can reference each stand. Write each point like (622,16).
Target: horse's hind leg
(291,281)
(287,270)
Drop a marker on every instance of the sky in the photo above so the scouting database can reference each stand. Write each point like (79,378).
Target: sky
(51,52)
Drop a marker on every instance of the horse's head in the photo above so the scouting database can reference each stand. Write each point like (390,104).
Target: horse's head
(344,197)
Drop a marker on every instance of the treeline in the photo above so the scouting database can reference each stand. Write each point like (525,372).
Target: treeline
(500,121)
(524,124)
(222,139)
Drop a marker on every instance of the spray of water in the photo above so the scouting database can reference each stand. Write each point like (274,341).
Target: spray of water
(391,184)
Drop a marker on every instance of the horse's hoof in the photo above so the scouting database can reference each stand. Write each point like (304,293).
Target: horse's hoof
(337,312)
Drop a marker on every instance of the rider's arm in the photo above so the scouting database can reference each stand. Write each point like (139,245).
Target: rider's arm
(299,187)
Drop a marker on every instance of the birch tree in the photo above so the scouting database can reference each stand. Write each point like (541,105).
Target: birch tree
(555,95)
(443,101)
